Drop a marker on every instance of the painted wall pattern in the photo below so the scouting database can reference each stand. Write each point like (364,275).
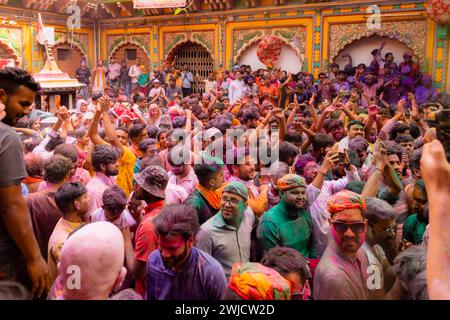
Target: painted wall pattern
(13,39)
(412,33)
(293,37)
(116,41)
(81,41)
(205,38)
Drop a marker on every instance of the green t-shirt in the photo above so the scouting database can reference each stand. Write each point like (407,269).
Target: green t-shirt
(280,226)
(413,229)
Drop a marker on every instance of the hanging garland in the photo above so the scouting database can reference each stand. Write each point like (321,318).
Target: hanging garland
(439,10)
(269,50)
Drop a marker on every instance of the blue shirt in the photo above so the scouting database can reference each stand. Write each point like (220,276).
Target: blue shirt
(202,278)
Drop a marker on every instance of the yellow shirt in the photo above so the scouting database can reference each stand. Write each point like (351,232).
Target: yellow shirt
(126,170)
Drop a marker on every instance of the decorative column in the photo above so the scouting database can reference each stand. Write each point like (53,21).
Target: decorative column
(317,47)
(441,52)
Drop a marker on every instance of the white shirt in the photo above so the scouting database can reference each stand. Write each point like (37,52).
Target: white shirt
(134,73)
(237,90)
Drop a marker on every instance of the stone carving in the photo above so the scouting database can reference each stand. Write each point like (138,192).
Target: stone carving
(11,38)
(411,32)
(205,38)
(116,41)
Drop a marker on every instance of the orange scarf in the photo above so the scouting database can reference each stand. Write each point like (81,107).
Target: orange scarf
(211,196)
(31,180)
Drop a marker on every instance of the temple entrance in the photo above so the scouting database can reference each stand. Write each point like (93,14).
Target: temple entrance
(129,53)
(199,61)
(360,50)
(68,58)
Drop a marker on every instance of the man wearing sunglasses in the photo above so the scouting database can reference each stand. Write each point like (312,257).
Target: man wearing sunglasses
(342,271)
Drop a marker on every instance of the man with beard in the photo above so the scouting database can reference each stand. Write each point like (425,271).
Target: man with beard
(315,175)
(288,224)
(355,128)
(178,270)
(20,259)
(205,200)
(150,187)
(336,129)
(245,173)
(105,163)
(227,235)
(415,224)
(342,271)
(380,244)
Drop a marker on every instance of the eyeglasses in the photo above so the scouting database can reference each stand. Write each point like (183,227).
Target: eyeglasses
(342,227)
(233,202)
(388,230)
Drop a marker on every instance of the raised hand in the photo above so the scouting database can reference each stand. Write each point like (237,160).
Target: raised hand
(278,113)
(401,106)
(330,161)
(298,126)
(63,114)
(373,110)
(105,103)
(380,159)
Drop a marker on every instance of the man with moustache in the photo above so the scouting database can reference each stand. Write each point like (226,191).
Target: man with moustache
(244,172)
(355,128)
(20,258)
(150,187)
(380,244)
(178,270)
(227,235)
(342,271)
(288,224)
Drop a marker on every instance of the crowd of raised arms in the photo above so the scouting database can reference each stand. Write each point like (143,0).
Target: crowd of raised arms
(111,200)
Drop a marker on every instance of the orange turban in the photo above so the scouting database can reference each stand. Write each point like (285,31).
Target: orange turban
(344,200)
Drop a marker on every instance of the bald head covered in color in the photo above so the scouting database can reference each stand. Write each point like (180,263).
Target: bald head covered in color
(91,264)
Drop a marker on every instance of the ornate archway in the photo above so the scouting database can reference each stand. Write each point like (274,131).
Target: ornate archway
(115,42)
(410,32)
(359,49)
(7,53)
(197,57)
(68,57)
(129,52)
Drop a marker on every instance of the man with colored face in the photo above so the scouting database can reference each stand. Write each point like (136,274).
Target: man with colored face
(20,259)
(150,187)
(342,271)
(178,270)
(205,200)
(288,224)
(227,235)
(315,177)
(415,224)
(337,130)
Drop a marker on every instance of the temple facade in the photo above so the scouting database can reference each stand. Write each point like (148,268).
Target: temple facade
(214,35)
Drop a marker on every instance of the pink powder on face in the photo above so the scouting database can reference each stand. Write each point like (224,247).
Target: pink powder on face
(336,236)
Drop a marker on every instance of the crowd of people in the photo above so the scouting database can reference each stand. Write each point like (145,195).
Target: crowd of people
(110,200)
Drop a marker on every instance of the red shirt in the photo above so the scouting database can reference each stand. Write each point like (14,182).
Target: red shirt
(146,237)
